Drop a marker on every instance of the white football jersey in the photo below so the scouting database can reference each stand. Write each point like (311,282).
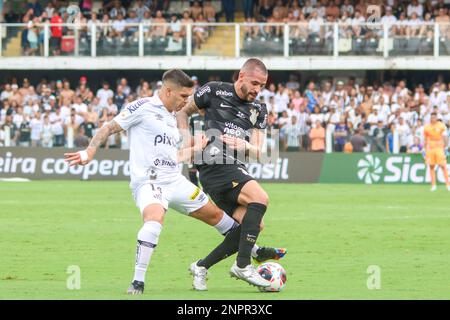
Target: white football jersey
(153,140)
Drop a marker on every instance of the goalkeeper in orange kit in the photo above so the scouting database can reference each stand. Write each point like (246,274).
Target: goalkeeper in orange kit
(435,142)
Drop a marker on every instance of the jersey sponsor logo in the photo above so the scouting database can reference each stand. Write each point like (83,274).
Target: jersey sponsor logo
(254,116)
(164,163)
(224,93)
(132,107)
(225,105)
(203,90)
(240,115)
(234,130)
(164,139)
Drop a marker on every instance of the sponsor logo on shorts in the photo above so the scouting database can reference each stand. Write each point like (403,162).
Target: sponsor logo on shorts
(195,194)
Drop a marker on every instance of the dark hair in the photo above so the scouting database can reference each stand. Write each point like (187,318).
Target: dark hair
(434,114)
(178,77)
(254,63)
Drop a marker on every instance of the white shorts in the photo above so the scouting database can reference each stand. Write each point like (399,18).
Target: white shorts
(179,194)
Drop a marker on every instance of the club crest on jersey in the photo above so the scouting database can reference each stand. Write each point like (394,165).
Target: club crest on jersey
(253,116)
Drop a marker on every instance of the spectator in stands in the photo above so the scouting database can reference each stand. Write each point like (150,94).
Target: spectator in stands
(132,29)
(340,135)
(104,94)
(416,147)
(358,141)
(123,82)
(317,137)
(379,138)
(47,133)
(159,30)
(415,7)
(36,130)
(118,26)
(292,132)
(81,140)
(67,94)
(357,24)
(175,29)
(141,8)
(229,8)
(274,30)
(195,10)
(403,133)
(249,7)
(414,26)
(266,10)
(200,31)
(117,10)
(390,20)
(315,25)
(209,11)
(56,33)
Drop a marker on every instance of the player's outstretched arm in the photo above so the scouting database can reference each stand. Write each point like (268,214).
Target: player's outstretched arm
(85,156)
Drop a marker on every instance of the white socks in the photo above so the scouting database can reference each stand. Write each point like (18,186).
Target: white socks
(147,240)
(254,250)
(225,224)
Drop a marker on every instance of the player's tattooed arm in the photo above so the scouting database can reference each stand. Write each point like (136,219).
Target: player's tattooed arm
(85,156)
(183,122)
(183,115)
(103,133)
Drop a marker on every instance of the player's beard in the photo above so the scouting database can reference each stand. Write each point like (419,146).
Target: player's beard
(246,93)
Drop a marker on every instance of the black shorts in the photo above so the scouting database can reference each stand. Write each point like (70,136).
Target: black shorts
(223,183)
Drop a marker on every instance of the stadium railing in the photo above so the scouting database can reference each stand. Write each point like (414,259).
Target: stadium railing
(244,39)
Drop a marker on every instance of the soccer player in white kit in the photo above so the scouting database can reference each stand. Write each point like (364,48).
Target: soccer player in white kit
(156,181)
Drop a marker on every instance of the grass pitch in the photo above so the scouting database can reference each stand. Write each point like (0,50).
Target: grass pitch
(333,234)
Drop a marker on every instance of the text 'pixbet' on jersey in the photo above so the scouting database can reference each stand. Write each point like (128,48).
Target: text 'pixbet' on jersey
(165,139)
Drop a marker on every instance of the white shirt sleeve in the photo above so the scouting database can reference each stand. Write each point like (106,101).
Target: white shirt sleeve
(130,115)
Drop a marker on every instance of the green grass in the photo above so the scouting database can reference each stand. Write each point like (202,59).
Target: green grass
(333,233)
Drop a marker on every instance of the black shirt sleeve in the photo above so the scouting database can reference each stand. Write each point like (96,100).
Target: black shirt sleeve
(204,95)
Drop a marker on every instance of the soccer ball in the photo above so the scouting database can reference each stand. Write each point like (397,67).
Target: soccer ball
(275,273)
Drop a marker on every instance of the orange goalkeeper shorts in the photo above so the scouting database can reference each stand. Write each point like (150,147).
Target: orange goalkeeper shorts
(436,156)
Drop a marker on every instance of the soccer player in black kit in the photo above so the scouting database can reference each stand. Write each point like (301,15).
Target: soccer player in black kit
(238,120)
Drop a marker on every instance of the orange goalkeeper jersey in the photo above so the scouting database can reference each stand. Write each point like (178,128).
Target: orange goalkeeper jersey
(435,135)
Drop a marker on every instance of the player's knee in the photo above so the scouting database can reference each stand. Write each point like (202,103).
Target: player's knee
(262,198)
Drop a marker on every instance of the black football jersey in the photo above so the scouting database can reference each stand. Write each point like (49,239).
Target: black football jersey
(227,114)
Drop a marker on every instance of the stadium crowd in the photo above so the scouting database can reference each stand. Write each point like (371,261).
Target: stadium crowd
(362,117)
(405,18)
